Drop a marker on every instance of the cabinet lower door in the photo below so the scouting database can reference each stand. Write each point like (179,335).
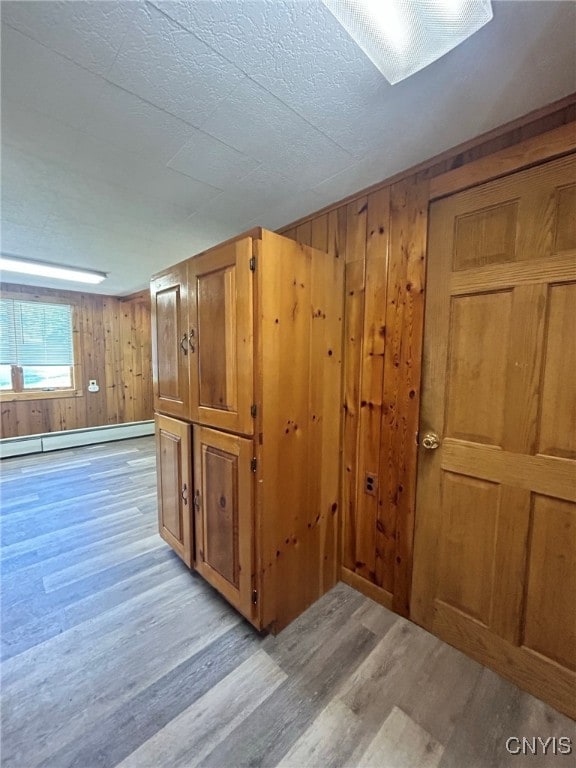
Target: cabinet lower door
(224,519)
(174,470)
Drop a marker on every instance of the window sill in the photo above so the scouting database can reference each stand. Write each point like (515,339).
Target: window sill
(37,394)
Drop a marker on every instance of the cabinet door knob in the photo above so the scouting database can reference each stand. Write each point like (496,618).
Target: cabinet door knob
(184,494)
(183,346)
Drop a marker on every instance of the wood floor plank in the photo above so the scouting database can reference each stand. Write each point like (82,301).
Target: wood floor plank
(108,740)
(373,688)
(401,743)
(191,736)
(121,554)
(23,635)
(326,742)
(280,720)
(47,548)
(40,604)
(498,710)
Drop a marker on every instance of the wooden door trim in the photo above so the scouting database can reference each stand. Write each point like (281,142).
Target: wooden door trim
(539,149)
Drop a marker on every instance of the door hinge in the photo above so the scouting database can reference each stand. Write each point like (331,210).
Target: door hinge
(253,464)
(253,264)
(254,596)
(253,411)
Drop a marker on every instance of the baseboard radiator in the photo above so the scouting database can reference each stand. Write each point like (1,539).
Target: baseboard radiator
(72,438)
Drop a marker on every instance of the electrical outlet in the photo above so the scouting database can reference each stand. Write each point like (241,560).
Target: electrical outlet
(370,483)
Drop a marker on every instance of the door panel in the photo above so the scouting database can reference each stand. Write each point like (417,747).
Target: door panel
(218,382)
(466,549)
(495,542)
(174,470)
(558,405)
(170,348)
(552,562)
(224,514)
(221,513)
(476,369)
(221,311)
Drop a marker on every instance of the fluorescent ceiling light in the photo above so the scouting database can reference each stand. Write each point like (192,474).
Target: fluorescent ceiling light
(42,269)
(402,36)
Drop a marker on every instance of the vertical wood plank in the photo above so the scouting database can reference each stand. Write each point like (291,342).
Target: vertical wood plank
(304,233)
(325,390)
(126,334)
(353,325)
(371,380)
(291,233)
(110,329)
(402,372)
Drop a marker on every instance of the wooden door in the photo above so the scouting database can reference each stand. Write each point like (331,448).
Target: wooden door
(495,546)
(170,343)
(174,471)
(224,515)
(221,312)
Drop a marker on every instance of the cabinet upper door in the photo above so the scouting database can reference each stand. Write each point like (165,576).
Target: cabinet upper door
(170,342)
(174,470)
(220,285)
(224,515)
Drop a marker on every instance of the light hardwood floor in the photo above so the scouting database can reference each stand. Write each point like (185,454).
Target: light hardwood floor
(114,654)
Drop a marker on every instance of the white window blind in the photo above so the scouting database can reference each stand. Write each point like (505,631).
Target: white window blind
(35,333)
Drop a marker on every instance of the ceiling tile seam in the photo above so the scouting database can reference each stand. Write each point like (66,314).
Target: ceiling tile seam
(252,79)
(135,9)
(56,53)
(69,58)
(52,50)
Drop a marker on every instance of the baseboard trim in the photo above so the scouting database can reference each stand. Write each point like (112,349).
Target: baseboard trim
(73,438)
(378,594)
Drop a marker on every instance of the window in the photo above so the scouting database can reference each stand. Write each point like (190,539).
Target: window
(36,346)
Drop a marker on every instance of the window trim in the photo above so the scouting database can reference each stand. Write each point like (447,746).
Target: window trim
(10,395)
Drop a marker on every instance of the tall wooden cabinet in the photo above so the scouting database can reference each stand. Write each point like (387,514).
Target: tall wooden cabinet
(247,341)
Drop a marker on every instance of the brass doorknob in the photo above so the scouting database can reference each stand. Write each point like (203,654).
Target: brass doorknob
(430,441)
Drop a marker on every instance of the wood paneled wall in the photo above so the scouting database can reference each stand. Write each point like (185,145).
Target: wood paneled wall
(114,343)
(381,235)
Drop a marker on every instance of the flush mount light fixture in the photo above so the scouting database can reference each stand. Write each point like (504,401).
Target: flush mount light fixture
(402,36)
(43,269)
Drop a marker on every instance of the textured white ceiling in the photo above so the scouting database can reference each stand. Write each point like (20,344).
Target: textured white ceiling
(135,134)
